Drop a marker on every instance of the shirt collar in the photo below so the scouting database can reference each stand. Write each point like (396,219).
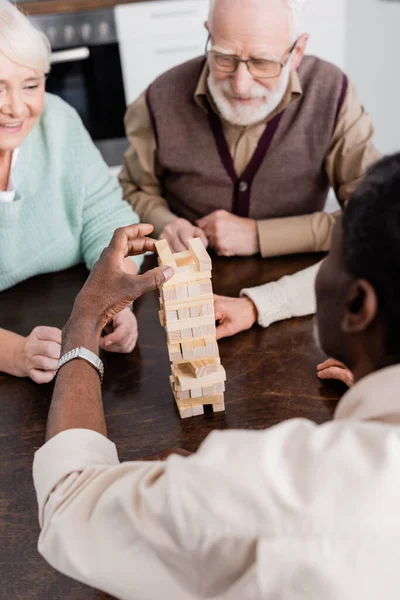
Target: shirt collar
(373,398)
(204,100)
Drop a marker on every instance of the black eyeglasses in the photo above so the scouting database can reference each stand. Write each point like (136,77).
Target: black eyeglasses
(260,68)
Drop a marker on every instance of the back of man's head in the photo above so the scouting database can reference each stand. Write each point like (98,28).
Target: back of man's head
(371,241)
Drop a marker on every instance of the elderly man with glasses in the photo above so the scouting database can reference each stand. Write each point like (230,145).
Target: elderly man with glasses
(240,147)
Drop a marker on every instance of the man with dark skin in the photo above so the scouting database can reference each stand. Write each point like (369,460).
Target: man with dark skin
(298,511)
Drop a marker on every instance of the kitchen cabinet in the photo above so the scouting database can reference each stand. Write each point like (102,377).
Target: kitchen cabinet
(156,36)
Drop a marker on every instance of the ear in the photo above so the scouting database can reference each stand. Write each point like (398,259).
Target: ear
(299,51)
(361,307)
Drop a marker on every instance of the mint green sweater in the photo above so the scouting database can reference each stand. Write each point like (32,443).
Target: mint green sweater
(67,205)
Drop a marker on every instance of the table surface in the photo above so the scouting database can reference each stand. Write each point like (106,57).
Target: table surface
(271,376)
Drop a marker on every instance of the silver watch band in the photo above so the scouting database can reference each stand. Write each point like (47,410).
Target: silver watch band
(86,355)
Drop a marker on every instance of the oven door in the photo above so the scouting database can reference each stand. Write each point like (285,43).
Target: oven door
(89,78)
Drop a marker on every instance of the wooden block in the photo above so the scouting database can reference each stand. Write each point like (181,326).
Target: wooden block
(173,336)
(211,347)
(194,289)
(187,302)
(201,256)
(171,315)
(219,407)
(205,287)
(195,311)
(188,350)
(186,334)
(196,393)
(181,292)
(198,410)
(186,381)
(199,368)
(182,395)
(179,256)
(174,351)
(188,277)
(165,254)
(168,295)
(161,316)
(186,269)
(212,390)
(214,400)
(183,313)
(199,348)
(207,309)
(185,411)
(190,323)
(200,332)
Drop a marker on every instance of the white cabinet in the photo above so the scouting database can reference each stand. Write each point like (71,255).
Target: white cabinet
(156,36)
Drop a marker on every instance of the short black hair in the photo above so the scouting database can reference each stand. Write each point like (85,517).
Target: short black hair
(371,240)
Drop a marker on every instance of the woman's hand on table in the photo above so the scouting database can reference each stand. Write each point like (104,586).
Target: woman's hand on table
(37,355)
(179,232)
(233,315)
(124,335)
(334,369)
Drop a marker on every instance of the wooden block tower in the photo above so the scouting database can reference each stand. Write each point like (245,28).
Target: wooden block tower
(187,313)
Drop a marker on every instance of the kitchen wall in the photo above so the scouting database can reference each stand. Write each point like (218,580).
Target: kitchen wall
(372,51)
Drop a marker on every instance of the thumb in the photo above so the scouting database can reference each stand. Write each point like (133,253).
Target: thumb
(151,280)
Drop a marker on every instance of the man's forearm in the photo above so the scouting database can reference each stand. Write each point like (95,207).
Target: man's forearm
(77,401)
(9,344)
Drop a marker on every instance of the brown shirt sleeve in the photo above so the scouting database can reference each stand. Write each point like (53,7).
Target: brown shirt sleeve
(351,153)
(141,173)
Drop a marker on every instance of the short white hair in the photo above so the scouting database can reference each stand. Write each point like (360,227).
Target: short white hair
(20,41)
(295,8)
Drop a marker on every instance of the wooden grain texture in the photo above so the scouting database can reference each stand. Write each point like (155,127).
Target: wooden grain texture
(271,376)
(67,6)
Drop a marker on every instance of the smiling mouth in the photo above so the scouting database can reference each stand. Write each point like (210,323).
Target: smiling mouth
(11,126)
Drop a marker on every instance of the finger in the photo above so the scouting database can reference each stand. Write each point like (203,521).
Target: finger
(181,241)
(219,311)
(41,376)
(44,363)
(124,342)
(120,333)
(50,349)
(203,221)
(125,347)
(330,362)
(225,329)
(337,373)
(126,238)
(200,233)
(149,281)
(48,334)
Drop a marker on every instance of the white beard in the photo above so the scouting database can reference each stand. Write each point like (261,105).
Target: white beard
(224,98)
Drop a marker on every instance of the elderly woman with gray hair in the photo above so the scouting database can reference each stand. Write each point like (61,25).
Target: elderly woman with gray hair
(58,203)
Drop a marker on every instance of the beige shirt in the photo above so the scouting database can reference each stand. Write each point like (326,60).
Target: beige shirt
(350,154)
(297,512)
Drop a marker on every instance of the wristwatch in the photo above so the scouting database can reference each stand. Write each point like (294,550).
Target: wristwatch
(85,354)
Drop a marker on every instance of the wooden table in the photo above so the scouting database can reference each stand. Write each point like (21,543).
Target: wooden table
(270,377)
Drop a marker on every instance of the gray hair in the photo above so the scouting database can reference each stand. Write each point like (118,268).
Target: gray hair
(295,8)
(20,41)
